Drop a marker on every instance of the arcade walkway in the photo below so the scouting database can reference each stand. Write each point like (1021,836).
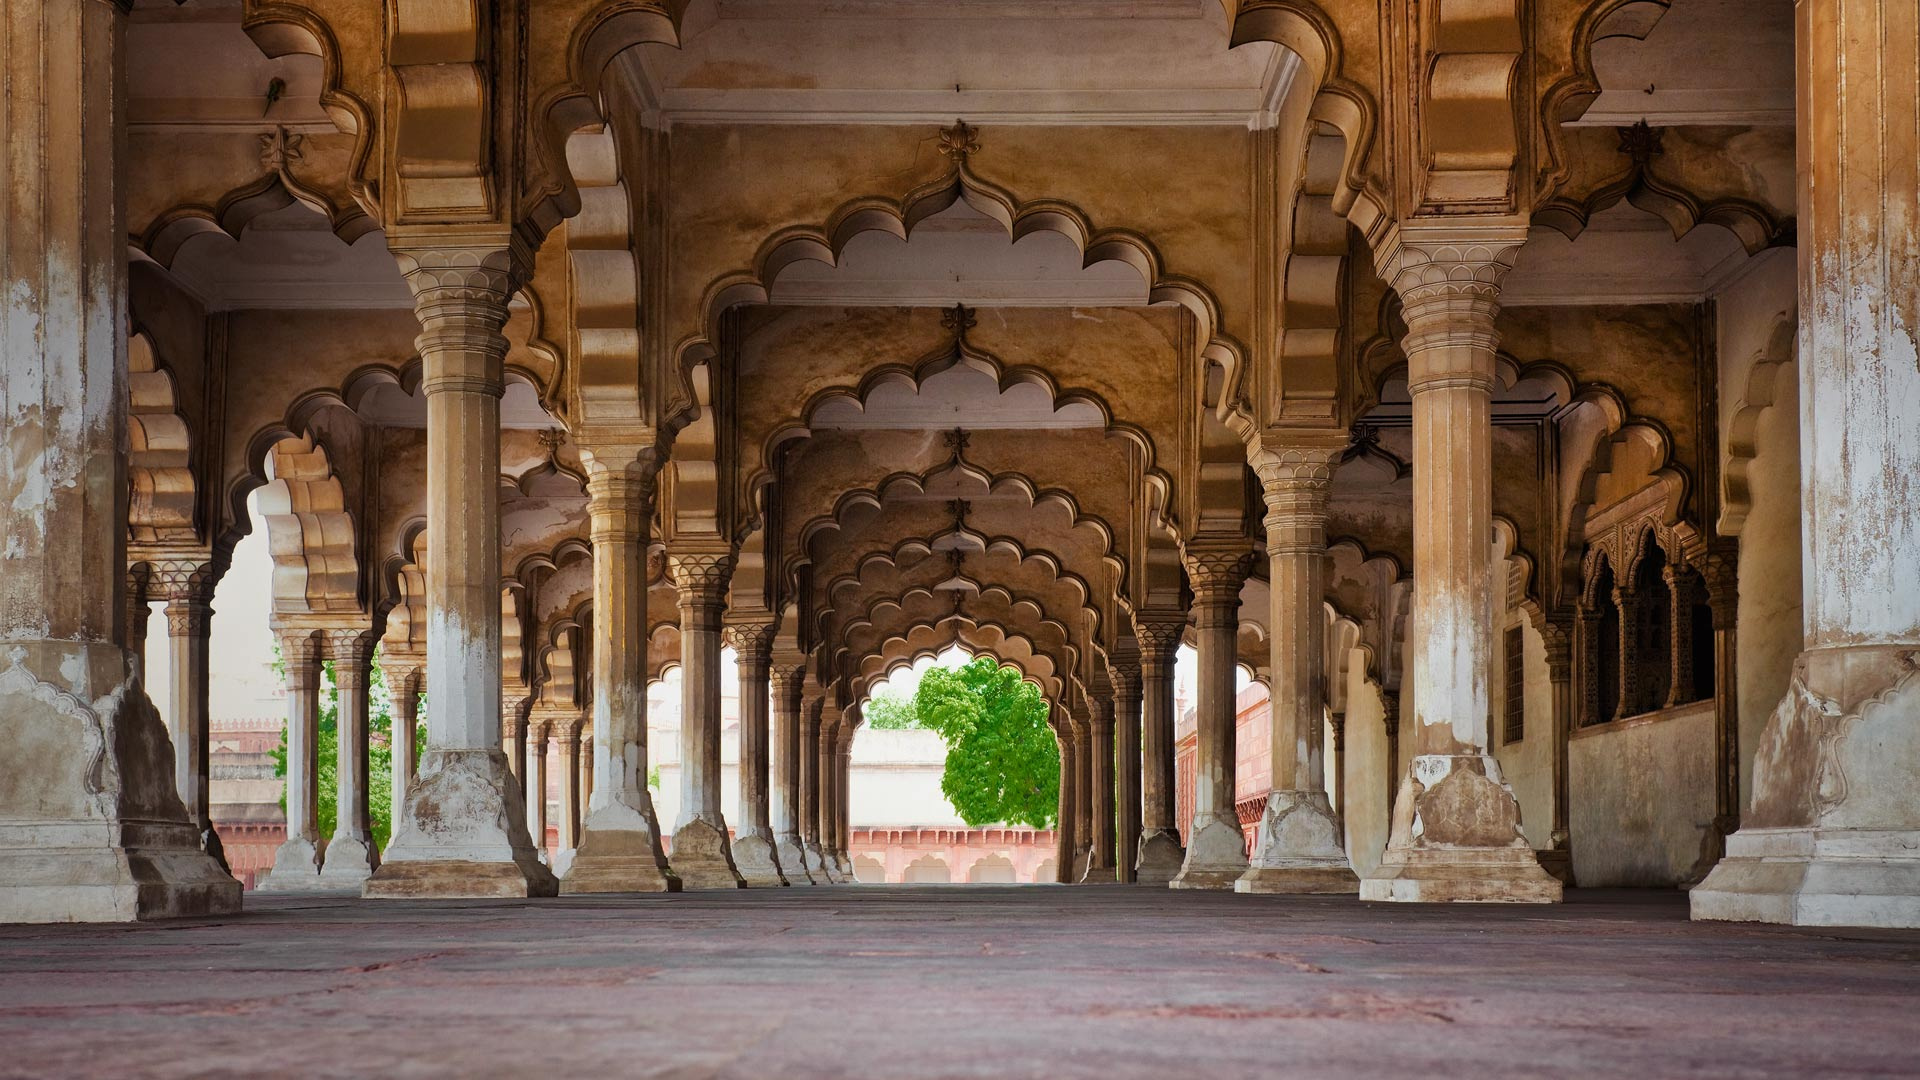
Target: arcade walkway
(904,982)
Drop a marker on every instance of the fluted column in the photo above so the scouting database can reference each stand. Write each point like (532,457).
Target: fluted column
(1076,793)
(702,853)
(824,792)
(787,676)
(91,827)
(403,688)
(1300,848)
(1063,803)
(566,738)
(1100,794)
(754,854)
(350,855)
(1456,824)
(1160,853)
(620,849)
(1216,846)
(808,774)
(843,800)
(462,829)
(1831,835)
(1124,665)
(188,587)
(296,863)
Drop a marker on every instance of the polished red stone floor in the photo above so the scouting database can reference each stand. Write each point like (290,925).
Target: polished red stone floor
(905,982)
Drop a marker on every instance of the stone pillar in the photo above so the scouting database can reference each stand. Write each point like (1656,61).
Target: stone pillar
(296,863)
(1681,582)
(1124,665)
(1063,805)
(1628,605)
(1216,846)
(702,853)
(1456,824)
(1300,848)
(1080,802)
(189,592)
(754,854)
(1589,633)
(1558,636)
(1390,720)
(91,827)
(461,832)
(566,736)
(1160,852)
(843,801)
(620,848)
(539,730)
(1100,798)
(138,611)
(812,799)
(1831,834)
(515,704)
(585,797)
(403,688)
(788,678)
(823,786)
(350,855)
(1337,729)
(1721,577)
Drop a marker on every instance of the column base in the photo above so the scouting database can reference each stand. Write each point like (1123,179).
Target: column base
(792,857)
(702,857)
(296,867)
(754,857)
(1456,839)
(1558,862)
(348,865)
(619,852)
(1160,857)
(1082,862)
(823,872)
(845,866)
(65,871)
(462,834)
(1216,858)
(1815,877)
(1097,875)
(1299,849)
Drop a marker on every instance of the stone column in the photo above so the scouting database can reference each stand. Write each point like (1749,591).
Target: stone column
(754,854)
(1589,633)
(137,614)
(1124,665)
(1216,847)
(1100,799)
(189,592)
(350,855)
(515,704)
(1160,852)
(1681,582)
(620,847)
(1301,848)
(1558,636)
(539,730)
(702,853)
(461,832)
(91,827)
(1627,603)
(1456,825)
(1721,577)
(1063,805)
(566,736)
(812,811)
(296,863)
(843,801)
(1831,834)
(1337,729)
(788,678)
(1390,720)
(1079,802)
(585,798)
(403,688)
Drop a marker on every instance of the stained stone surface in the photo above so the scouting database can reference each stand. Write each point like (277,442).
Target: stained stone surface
(933,981)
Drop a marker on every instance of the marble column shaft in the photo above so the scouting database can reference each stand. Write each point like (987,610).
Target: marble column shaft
(1100,798)
(702,851)
(534,776)
(1161,852)
(787,677)
(754,854)
(1124,663)
(189,591)
(403,690)
(461,832)
(810,811)
(566,736)
(91,824)
(1216,846)
(296,863)
(350,856)
(620,849)
(1456,824)
(1300,848)
(1831,832)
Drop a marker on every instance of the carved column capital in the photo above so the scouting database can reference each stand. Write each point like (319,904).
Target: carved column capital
(1557,633)
(1390,712)
(1448,276)
(786,675)
(701,578)
(300,653)
(1216,571)
(622,478)
(1337,722)
(1296,476)
(1123,666)
(1159,634)
(752,640)
(461,284)
(1720,574)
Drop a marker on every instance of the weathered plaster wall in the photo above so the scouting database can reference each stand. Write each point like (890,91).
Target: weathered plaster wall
(1770,551)
(1641,797)
(1528,763)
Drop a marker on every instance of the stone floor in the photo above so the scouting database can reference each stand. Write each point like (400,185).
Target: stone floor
(933,981)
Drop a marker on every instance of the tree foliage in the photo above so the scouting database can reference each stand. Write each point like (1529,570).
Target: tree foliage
(887,711)
(379,751)
(1003,765)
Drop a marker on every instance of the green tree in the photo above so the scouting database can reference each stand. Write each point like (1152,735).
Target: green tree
(1003,765)
(379,751)
(888,711)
